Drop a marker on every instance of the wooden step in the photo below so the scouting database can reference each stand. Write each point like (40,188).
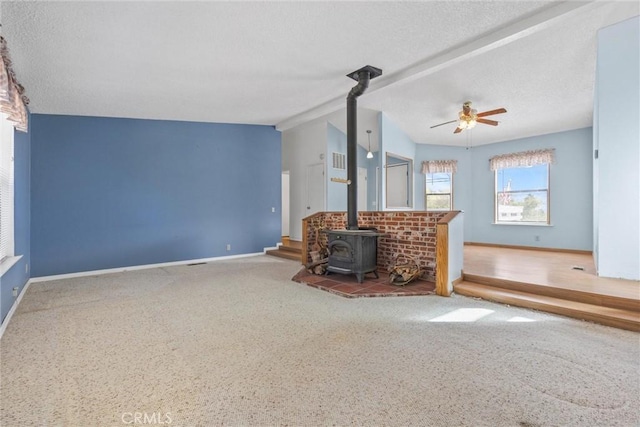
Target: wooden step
(616,317)
(612,301)
(290,249)
(287,254)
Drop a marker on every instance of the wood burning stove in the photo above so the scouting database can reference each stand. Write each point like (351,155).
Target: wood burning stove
(353,252)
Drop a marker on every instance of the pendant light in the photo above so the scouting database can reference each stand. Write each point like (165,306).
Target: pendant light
(369,153)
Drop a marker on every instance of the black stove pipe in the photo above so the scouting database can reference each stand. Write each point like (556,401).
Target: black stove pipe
(362,76)
(352,149)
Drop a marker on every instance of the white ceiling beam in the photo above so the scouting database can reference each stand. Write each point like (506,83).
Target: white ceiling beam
(510,33)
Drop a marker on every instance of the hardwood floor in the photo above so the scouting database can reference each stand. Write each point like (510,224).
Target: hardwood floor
(553,269)
(548,281)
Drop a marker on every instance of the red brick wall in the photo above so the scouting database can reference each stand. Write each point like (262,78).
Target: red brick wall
(410,233)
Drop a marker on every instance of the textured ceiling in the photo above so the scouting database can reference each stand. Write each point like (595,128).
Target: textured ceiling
(284,63)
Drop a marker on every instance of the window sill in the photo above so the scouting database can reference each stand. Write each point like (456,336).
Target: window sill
(7,263)
(530,224)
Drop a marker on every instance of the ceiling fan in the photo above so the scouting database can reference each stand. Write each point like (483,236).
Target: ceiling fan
(468,118)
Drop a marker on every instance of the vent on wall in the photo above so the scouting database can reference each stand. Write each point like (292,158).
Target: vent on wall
(339,161)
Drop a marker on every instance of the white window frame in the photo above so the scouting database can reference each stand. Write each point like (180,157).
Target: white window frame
(6,194)
(427,194)
(497,191)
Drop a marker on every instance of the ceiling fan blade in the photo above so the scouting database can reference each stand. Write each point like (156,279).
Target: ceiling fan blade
(445,123)
(458,130)
(487,122)
(492,112)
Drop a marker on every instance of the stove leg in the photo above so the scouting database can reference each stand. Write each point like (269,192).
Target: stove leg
(360,277)
(376,273)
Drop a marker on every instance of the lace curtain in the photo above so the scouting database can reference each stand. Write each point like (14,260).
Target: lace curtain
(13,102)
(439,166)
(522,159)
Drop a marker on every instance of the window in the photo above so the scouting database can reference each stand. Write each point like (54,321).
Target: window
(6,187)
(439,184)
(521,191)
(439,194)
(13,114)
(522,194)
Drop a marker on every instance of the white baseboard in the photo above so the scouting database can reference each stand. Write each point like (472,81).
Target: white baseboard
(6,320)
(140,267)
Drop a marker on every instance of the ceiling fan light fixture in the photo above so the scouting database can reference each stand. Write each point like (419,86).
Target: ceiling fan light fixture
(369,153)
(468,118)
(467,121)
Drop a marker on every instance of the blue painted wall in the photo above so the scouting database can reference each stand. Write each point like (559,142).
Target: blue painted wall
(462,192)
(370,165)
(394,140)
(571,183)
(571,193)
(109,192)
(18,275)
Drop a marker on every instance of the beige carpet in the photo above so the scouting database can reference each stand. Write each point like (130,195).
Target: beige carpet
(238,343)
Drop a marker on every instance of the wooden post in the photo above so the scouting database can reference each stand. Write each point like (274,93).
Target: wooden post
(442,259)
(442,254)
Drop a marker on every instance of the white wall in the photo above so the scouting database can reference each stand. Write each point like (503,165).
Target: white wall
(617,136)
(337,192)
(302,146)
(456,249)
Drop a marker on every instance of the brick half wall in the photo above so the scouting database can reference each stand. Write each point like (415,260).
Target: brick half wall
(407,233)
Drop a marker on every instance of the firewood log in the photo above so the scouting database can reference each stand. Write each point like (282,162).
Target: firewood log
(313,264)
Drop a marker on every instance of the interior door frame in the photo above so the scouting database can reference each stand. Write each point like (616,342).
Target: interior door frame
(404,161)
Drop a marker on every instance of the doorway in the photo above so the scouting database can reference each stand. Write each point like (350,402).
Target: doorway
(285,204)
(363,188)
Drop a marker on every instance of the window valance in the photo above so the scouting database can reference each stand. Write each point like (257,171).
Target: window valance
(13,102)
(439,166)
(522,159)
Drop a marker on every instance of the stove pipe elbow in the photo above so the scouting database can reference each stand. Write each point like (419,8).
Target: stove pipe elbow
(363,84)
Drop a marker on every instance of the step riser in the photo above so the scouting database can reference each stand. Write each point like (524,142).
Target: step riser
(567,294)
(497,295)
(290,249)
(285,255)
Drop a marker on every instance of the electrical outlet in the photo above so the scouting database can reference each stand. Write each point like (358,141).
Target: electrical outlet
(228,246)
(26,268)
(15,291)
(273,209)
(537,238)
